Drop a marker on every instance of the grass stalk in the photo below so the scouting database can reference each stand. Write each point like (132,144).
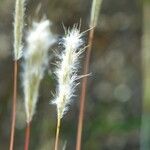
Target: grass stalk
(96,5)
(57,133)
(39,40)
(67,73)
(13,123)
(27,136)
(18,28)
(83,91)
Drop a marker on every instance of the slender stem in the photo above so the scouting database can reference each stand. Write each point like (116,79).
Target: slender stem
(27,136)
(145,122)
(96,5)
(13,123)
(83,90)
(57,133)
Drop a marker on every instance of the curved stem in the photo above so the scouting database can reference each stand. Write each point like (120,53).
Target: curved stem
(13,123)
(57,133)
(83,90)
(27,136)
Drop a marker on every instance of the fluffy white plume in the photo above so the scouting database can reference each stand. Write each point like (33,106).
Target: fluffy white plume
(39,40)
(67,70)
(18,28)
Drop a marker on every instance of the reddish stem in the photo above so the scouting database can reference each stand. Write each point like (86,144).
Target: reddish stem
(27,136)
(83,90)
(12,136)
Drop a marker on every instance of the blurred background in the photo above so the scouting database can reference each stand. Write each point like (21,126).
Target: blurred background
(117,115)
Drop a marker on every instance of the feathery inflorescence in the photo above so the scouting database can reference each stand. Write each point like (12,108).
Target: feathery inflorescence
(18,28)
(39,40)
(67,69)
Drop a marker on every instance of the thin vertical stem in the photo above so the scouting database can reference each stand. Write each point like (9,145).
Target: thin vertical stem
(27,136)
(83,90)
(96,5)
(57,134)
(14,103)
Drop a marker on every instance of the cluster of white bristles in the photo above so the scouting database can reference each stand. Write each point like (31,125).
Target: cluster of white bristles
(67,69)
(39,40)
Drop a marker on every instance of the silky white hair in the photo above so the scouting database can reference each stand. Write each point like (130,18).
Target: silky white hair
(67,69)
(39,40)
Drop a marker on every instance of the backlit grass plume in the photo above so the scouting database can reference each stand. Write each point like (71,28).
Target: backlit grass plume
(67,72)
(39,40)
(18,33)
(18,28)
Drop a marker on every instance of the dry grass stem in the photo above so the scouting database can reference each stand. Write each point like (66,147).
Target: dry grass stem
(96,5)
(27,136)
(18,32)
(13,123)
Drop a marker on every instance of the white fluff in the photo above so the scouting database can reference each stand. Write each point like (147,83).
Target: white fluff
(39,40)
(67,70)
